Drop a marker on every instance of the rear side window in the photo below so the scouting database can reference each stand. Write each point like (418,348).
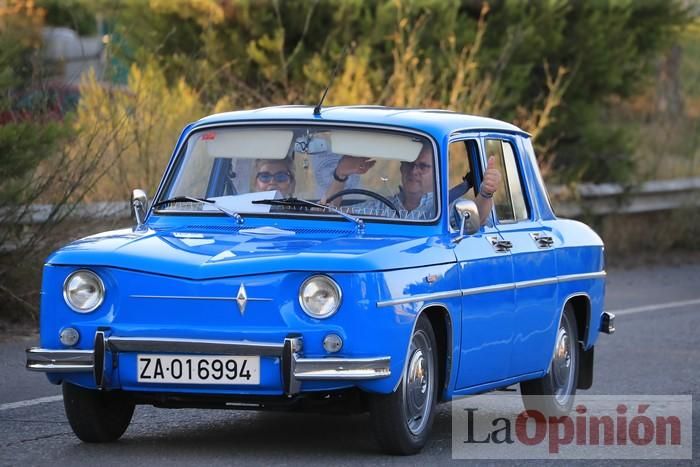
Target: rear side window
(461,172)
(462,155)
(509,200)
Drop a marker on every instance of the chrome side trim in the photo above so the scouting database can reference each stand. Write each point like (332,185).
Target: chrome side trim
(536,282)
(492,288)
(488,289)
(582,276)
(341,368)
(59,361)
(421,298)
(195,346)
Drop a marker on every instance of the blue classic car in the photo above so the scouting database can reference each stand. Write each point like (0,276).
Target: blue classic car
(301,258)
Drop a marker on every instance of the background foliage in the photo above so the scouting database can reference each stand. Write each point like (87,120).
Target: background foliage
(501,59)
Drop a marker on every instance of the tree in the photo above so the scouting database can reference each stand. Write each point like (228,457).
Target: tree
(552,66)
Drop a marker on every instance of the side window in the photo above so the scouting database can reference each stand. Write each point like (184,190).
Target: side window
(509,199)
(460,174)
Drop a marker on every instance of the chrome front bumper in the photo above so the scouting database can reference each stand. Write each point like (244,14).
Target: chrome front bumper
(294,367)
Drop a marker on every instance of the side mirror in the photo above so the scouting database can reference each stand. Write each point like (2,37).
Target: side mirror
(139,204)
(469,216)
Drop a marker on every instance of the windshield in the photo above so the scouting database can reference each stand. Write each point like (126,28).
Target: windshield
(361,172)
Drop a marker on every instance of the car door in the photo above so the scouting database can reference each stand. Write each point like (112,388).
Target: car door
(532,250)
(486,278)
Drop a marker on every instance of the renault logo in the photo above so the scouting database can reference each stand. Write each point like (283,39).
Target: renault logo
(242,299)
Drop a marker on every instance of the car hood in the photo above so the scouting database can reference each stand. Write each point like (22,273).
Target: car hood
(198,255)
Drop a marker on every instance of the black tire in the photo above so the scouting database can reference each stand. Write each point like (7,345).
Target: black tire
(554,393)
(402,420)
(97,416)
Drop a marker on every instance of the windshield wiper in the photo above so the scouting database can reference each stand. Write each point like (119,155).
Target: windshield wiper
(296,202)
(209,202)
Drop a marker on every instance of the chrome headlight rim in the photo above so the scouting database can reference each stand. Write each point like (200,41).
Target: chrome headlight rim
(332,283)
(100,290)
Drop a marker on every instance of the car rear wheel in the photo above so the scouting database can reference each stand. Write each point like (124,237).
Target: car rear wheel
(402,420)
(553,394)
(97,416)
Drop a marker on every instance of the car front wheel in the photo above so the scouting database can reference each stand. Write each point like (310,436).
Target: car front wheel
(97,416)
(553,394)
(402,420)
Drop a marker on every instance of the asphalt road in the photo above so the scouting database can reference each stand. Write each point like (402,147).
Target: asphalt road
(656,350)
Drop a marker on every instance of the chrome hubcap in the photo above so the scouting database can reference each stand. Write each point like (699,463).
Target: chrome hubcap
(418,386)
(562,366)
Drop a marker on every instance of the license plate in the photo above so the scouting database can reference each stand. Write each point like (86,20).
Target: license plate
(198,369)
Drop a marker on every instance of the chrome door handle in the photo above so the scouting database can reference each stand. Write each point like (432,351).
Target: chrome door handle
(545,242)
(542,240)
(501,246)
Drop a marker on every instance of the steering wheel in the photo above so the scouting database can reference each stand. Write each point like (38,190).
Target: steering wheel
(371,194)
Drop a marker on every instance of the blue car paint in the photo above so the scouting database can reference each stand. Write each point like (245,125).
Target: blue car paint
(496,338)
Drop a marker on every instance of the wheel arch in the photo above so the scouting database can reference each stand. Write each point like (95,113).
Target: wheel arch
(441,322)
(581,303)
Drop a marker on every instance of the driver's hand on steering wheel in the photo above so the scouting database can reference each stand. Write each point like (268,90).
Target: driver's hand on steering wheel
(351,165)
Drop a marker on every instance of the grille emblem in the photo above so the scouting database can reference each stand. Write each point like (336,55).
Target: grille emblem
(242,299)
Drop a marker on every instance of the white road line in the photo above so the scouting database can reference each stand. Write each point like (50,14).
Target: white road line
(659,306)
(41,400)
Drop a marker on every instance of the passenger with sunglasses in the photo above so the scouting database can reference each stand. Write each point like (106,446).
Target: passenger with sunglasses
(274,174)
(416,197)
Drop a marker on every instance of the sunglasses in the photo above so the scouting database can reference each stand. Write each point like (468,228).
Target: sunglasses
(279,177)
(421,166)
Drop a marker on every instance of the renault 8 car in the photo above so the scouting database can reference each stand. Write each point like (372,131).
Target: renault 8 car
(299,259)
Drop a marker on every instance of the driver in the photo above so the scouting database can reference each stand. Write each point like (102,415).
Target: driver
(274,174)
(416,196)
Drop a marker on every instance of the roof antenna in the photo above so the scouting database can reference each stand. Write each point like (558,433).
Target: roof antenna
(317,109)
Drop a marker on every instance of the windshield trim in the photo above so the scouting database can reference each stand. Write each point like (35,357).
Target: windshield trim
(174,165)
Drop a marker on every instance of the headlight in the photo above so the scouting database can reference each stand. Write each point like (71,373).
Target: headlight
(319,296)
(83,291)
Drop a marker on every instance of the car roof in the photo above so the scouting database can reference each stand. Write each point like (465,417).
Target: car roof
(434,121)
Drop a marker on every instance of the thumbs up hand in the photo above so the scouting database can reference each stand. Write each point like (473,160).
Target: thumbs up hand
(492,178)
